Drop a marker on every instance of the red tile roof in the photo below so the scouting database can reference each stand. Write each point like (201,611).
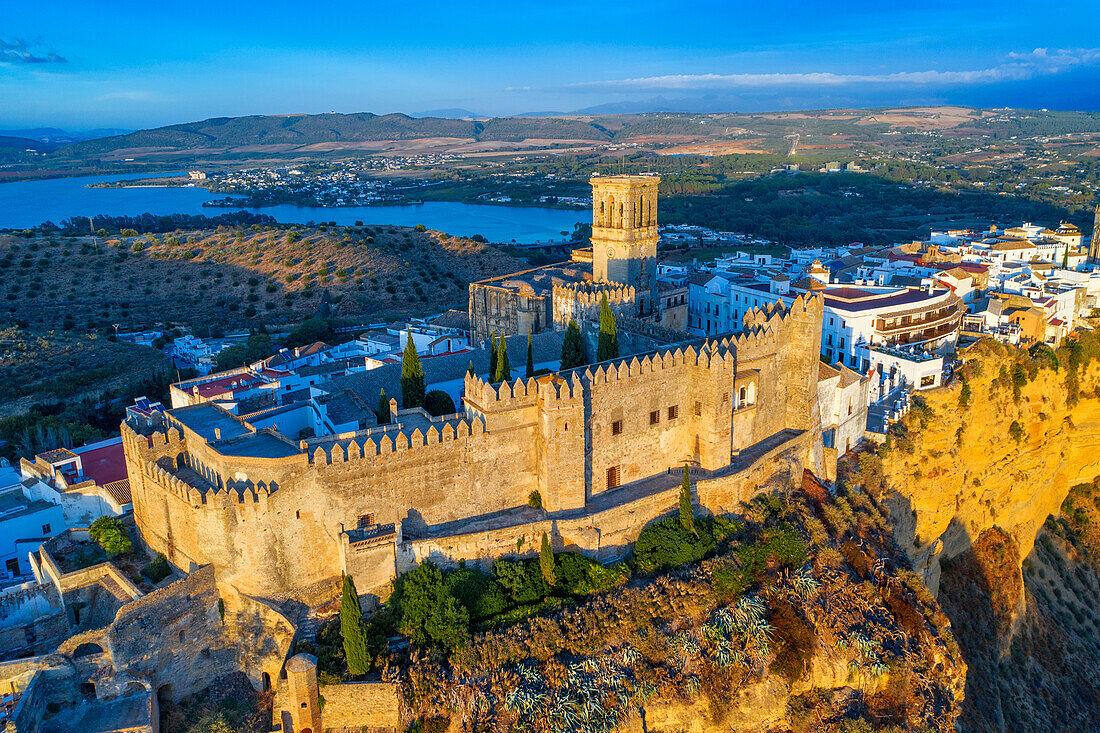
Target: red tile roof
(103,464)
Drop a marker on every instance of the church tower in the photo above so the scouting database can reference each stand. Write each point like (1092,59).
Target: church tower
(1094,248)
(624,235)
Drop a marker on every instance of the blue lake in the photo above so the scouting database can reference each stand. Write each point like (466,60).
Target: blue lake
(30,203)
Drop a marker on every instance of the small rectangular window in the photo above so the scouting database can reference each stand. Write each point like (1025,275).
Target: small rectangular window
(617,427)
(698,409)
(366,520)
(613,477)
(725,398)
(654,417)
(45,529)
(673,412)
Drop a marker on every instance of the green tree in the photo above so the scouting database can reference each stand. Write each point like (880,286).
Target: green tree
(572,347)
(311,330)
(504,369)
(1016,431)
(412,377)
(437,402)
(608,347)
(492,356)
(351,628)
(427,612)
(470,369)
(383,411)
(257,347)
(687,517)
(546,561)
(112,536)
(530,358)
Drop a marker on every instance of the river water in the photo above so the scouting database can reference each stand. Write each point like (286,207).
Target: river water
(30,203)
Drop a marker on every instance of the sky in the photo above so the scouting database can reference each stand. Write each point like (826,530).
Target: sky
(79,65)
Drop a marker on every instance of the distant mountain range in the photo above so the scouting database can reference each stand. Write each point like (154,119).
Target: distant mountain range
(299,130)
(55,136)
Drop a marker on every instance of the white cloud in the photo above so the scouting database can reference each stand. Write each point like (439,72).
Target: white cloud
(1017,66)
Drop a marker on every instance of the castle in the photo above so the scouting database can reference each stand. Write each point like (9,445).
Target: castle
(588,455)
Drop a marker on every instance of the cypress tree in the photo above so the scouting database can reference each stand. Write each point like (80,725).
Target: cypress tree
(530,359)
(1065,259)
(383,411)
(546,561)
(351,628)
(687,518)
(470,369)
(493,356)
(412,377)
(504,369)
(609,333)
(572,347)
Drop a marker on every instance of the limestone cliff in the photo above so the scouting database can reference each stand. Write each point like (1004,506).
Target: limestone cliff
(976,480)
(966,470)
(809,620)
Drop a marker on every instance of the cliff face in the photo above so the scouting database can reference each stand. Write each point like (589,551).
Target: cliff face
(808,620)
(977,481)
(951,487)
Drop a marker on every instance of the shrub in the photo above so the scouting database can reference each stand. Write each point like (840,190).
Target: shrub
(112,536)
(667,543)
(438,402)
(534,499)
(292,237)
(1016,431)
(427,613)
(157,570)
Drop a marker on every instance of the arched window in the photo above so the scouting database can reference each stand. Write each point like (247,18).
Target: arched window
(741,395)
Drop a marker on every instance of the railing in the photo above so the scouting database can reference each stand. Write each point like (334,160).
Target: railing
(881,327)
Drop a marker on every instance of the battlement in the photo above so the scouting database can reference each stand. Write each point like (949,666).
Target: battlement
(388,444)
(590,294)
(524,392)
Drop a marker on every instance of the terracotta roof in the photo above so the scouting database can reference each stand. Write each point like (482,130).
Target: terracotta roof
(824,371)
(103,464)
(119,491)
(848,377)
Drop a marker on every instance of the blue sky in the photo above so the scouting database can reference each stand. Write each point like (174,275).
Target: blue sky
(121,63)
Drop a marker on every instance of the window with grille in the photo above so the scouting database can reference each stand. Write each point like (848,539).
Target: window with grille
(654,417)
(698,409)
(617,427)
(673,412)
(613,477)
(366,520)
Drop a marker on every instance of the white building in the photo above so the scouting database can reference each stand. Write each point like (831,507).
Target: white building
(26,521)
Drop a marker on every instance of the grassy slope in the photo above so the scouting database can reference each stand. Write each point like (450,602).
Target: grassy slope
(52,365)
(212,278)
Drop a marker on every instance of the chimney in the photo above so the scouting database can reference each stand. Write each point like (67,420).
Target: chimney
(217,433)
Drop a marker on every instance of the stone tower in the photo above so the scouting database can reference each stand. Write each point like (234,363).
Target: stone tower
(1094,247)
(305,708)
(624,235)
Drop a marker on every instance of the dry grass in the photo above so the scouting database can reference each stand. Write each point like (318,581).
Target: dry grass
(236,278)
(53,365)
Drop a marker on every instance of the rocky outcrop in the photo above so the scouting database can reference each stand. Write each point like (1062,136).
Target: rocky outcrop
(809,619)
(980,485)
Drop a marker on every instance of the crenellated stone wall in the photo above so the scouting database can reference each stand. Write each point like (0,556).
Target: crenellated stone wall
(275,526)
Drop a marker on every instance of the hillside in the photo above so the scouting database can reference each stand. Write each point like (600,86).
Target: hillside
(226,279)
(53,366)
(979,491)
(302,130)
(810,620)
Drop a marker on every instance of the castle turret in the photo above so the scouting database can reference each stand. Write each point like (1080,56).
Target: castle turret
(304,704)
(624,235)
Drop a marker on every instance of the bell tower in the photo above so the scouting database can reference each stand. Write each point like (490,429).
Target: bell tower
(624,235)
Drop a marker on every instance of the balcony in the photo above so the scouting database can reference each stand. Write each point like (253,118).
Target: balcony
(906,324)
